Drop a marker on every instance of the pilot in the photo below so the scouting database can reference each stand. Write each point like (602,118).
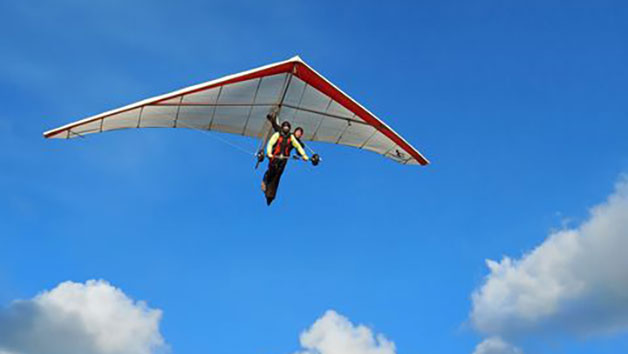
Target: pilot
(278,150)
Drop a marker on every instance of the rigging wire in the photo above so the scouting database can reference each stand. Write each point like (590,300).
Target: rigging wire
(215,136)
(238,147)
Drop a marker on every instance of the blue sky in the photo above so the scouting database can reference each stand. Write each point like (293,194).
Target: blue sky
(521,108)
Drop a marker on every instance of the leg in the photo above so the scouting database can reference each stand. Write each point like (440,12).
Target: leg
(269,175)
(275,169)
(265,181)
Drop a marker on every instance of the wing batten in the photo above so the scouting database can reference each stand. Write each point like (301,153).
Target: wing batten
(248,117)
(176,118)
(211,120)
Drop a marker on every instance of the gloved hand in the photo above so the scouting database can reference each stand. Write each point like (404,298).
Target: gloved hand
(316,159)
(260,156)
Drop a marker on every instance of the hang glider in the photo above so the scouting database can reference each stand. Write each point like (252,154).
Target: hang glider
(239,104)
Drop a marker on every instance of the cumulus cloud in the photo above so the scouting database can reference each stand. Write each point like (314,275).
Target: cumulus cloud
(335,334)
(80,318)
(496,345)
(575,282)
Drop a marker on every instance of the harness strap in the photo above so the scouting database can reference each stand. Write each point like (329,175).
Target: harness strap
(283,145)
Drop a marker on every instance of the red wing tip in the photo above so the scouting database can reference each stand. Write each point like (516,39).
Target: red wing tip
(50,133)
(423,161)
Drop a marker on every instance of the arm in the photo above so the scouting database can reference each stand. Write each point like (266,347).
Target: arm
(297,145)
(271,142)
(272,118)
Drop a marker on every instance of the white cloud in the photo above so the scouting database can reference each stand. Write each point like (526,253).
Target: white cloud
(575,282)
(335,334)
(496,345)
(77,318)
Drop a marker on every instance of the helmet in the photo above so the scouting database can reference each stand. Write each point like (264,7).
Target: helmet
(285,127)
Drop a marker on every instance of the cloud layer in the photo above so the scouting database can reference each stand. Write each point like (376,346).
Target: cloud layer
(335,334)
(77,318)
(575,282)
(496,345)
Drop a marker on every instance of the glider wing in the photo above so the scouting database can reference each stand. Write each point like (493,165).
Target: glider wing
(239,104)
